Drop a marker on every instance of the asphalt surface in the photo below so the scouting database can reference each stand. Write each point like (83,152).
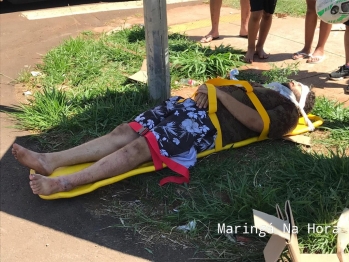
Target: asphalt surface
(33,229)
(12,6)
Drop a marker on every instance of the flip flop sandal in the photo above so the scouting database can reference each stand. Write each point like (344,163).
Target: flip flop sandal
(208,39)
(319,58)
(301,55)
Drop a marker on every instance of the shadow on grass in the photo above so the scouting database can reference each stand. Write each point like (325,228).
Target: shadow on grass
(225,187)
(256,177)
(82,216)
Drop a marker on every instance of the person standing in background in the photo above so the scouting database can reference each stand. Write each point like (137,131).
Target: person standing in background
(261,19)
(215,9)
(310,24)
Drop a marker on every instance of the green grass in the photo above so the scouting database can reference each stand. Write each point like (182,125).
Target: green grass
(84,90)
(84,93)
(337,122)
(254,177)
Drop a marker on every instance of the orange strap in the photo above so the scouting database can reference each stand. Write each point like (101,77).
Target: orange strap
(159,159)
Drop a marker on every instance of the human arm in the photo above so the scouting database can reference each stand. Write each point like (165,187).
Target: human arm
(246,115)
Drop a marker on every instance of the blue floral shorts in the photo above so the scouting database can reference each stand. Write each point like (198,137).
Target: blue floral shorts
(178,126)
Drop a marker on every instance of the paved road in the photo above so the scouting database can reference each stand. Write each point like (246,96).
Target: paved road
(33,229)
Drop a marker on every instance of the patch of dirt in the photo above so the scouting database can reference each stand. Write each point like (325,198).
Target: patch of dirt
(22,93)
(319,148)
(184,91)
(280,15)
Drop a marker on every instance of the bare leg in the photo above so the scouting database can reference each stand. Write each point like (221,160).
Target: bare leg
(325,30)
(45,163)
(245,16)
(253,27)
(310,25)
(116,163)
(215,10)
(263,34)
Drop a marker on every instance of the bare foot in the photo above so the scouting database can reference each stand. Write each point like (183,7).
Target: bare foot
(318,52)
(261,54)
(212,35)
(208,38)
(31,159)
(42,185)
(249,56)
(316,57)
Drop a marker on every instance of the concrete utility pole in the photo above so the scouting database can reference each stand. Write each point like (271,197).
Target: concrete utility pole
(156,37)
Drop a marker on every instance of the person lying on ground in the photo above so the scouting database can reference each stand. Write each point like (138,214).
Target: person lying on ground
(182,128)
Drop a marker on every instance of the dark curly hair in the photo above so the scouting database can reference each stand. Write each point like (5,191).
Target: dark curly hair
(309,102)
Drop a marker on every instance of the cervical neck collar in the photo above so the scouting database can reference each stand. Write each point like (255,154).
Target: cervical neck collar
(286,92)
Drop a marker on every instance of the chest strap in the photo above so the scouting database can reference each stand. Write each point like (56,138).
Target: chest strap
(212,109)
(212,99)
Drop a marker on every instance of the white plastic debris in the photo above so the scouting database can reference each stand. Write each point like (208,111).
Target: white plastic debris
(231,237)
(27,93)
(234,72)
(187,81)
(35,73)
(188,227)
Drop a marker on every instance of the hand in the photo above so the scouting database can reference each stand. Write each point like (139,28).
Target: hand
(201,100)
(202,89)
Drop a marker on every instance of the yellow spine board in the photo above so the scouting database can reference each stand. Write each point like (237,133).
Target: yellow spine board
(149,167)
